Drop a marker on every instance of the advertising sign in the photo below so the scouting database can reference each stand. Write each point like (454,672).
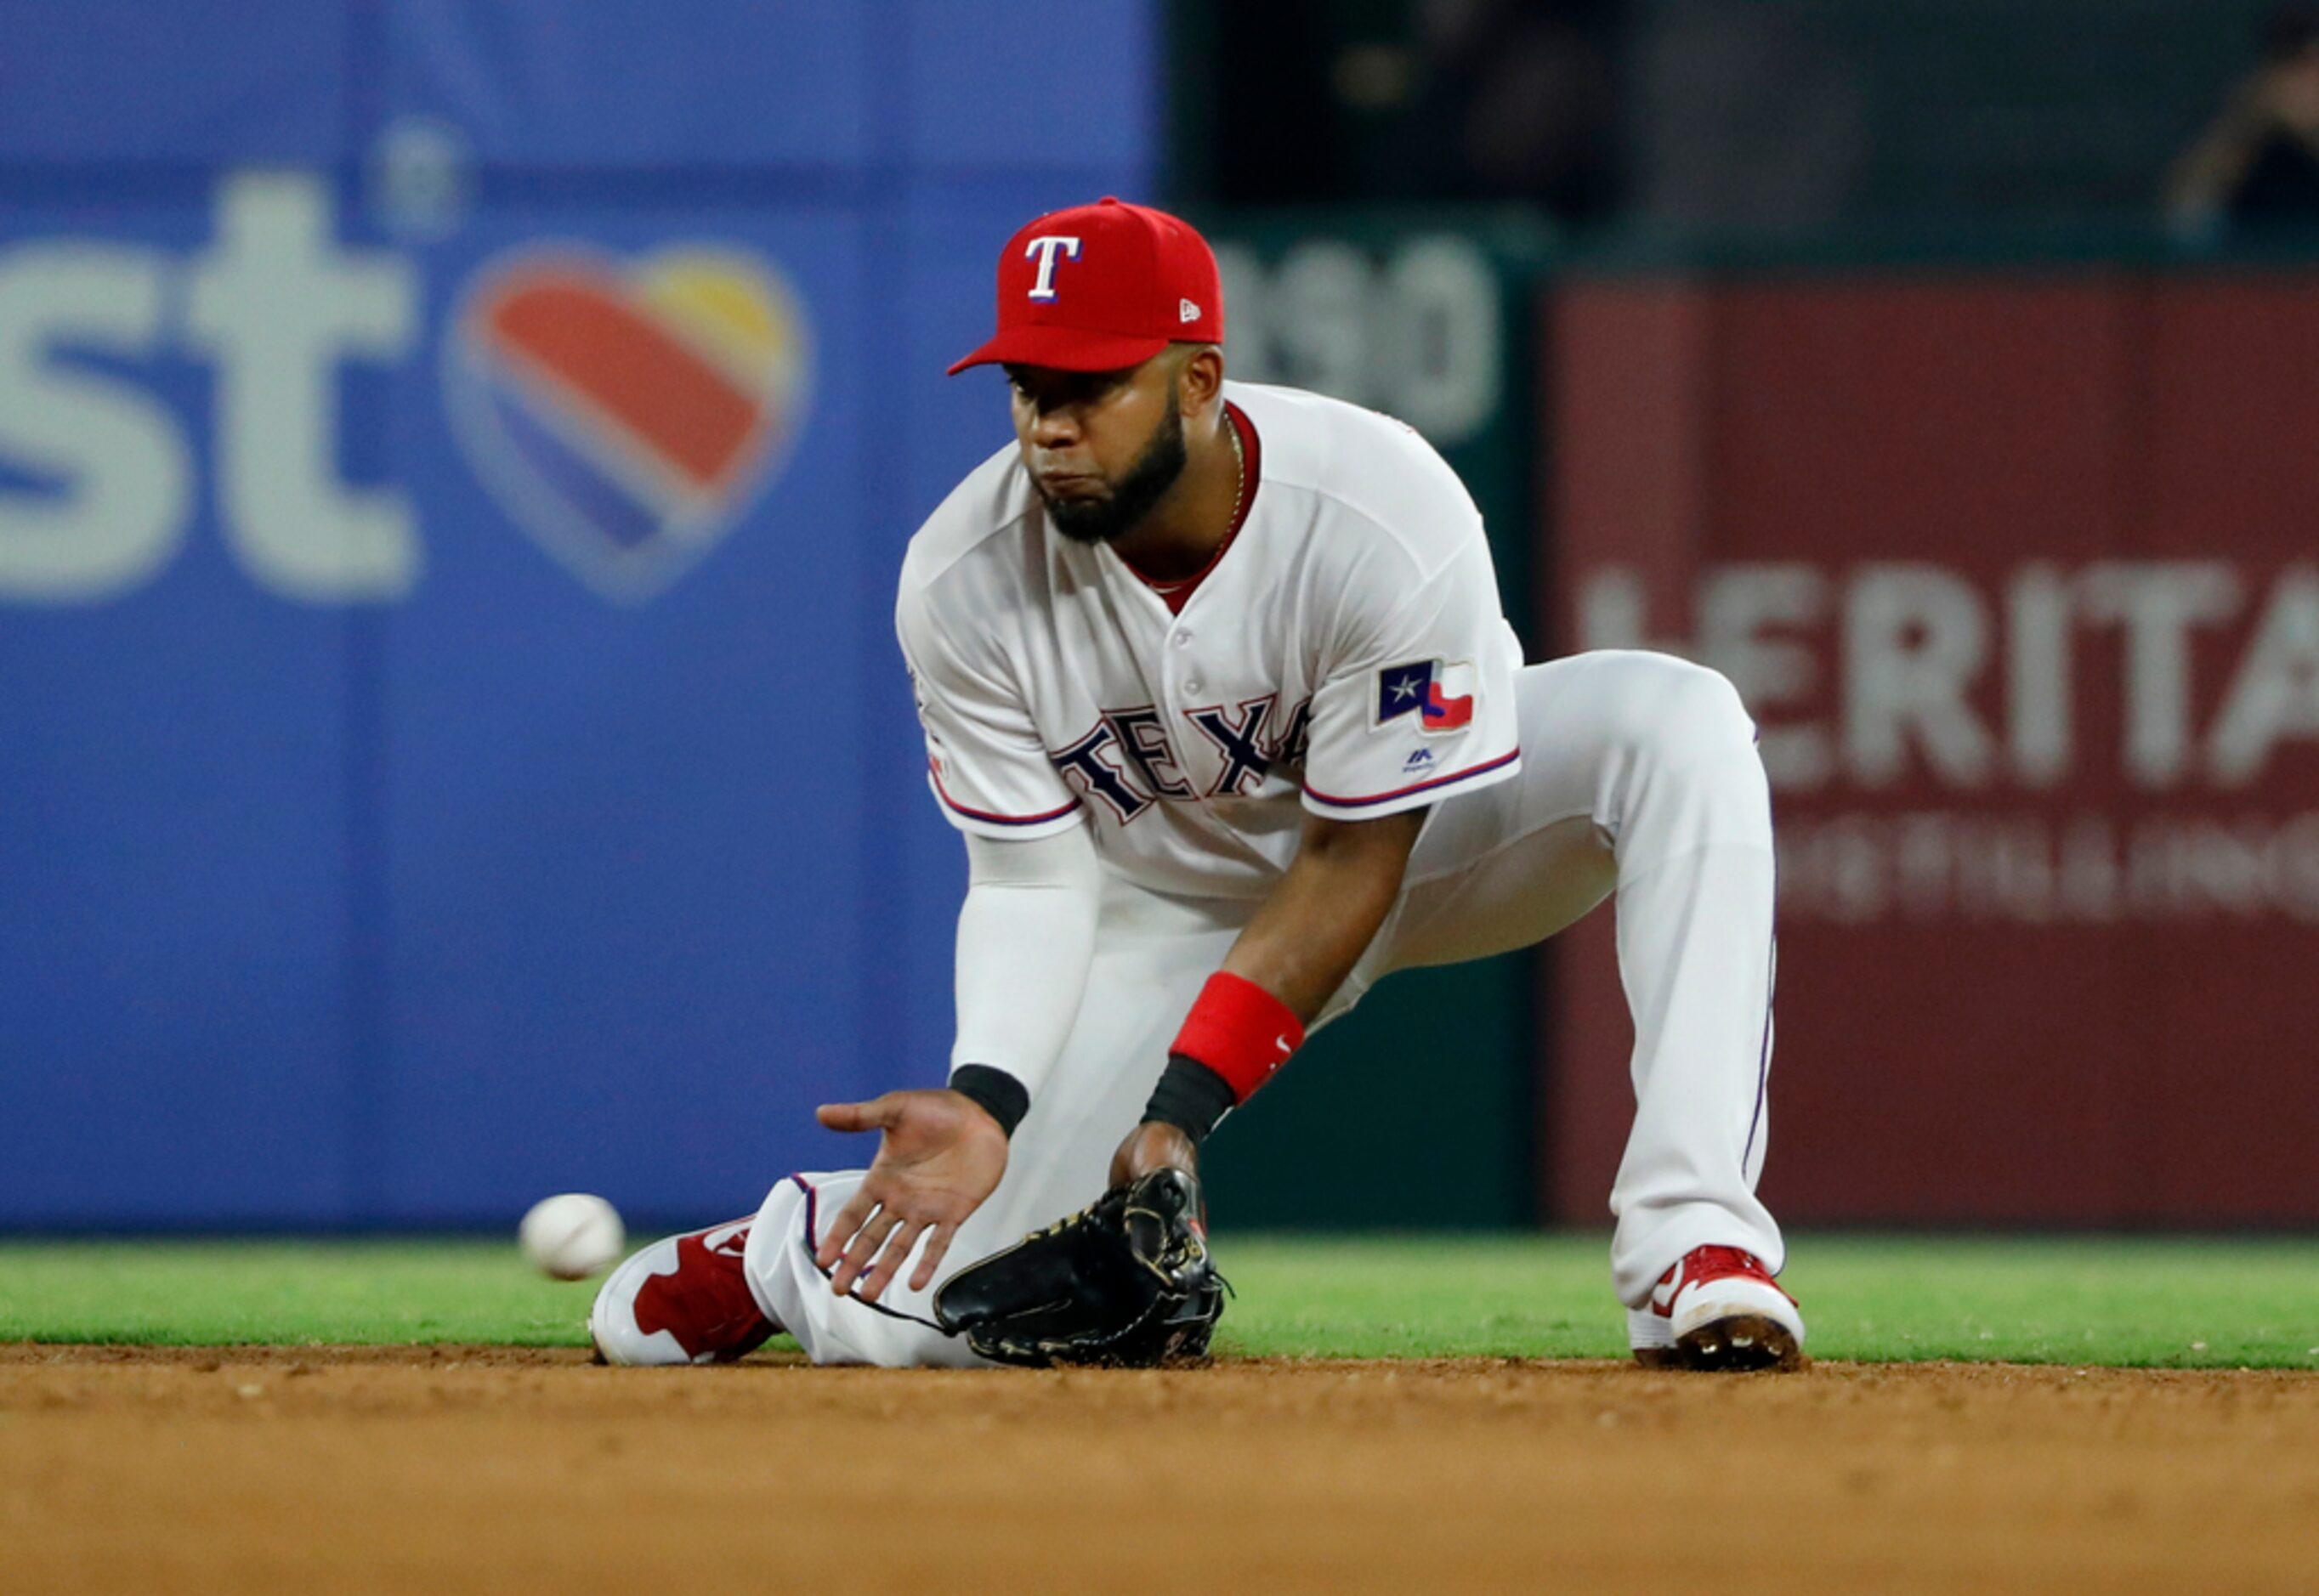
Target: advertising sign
(452,745)
(2018,579)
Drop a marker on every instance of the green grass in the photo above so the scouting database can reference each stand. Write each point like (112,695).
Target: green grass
(2174,1303)
(2170,1304)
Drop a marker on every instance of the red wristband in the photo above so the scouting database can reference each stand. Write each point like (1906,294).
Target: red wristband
(1240,1031)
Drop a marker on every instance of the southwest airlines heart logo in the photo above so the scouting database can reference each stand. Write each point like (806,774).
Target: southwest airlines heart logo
(624,414)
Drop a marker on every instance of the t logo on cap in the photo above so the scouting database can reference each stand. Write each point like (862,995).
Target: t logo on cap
(1043,249)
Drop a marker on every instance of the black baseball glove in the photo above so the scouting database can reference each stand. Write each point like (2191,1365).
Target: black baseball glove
(1126,1283)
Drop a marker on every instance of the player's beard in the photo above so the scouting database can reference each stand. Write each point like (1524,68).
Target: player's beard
(1142,485)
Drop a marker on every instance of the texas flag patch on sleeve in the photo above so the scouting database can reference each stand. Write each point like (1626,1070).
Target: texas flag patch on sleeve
(1440,695)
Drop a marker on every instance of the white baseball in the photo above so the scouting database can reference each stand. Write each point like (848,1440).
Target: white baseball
(572,1236)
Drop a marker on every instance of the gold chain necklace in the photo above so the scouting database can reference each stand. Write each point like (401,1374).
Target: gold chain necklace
(1239,472)
(1240,495)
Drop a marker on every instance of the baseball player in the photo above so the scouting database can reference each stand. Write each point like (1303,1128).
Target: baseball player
(1214,681)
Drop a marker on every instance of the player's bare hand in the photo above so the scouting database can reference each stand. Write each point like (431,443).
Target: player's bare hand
(1153,1146)
(941,1154)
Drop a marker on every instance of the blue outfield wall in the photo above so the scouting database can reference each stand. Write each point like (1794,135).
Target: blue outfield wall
(454,455)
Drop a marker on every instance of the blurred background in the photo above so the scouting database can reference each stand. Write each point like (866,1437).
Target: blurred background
(455,456)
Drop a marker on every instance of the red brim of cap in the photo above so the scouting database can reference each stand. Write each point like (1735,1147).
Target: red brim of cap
(1063,348)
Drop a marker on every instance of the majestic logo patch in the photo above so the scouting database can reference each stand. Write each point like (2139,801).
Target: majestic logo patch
(1440,695)
(624,414)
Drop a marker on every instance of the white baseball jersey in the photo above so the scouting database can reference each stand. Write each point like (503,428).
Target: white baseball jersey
(1346,652)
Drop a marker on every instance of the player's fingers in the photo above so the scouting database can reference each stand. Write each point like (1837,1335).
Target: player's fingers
(890,1261)
(938,1241)
(850,1218)
(853,1116)
(864,1247)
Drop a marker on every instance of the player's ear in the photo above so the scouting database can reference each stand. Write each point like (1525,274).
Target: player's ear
(1199,379)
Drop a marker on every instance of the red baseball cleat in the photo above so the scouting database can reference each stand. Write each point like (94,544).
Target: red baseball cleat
(684,1299)
(1717,1310)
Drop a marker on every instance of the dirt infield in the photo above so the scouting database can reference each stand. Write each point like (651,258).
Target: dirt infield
(451,1470)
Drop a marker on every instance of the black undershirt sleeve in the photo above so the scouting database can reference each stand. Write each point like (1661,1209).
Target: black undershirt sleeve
(1190,1097)
(1001,1095)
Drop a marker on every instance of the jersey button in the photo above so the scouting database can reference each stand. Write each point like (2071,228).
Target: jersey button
(1183,639)
(1192,685)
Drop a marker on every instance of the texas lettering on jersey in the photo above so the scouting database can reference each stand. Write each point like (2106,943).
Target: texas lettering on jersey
(1127,763)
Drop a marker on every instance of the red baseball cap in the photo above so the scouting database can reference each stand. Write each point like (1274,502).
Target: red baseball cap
(1100,286)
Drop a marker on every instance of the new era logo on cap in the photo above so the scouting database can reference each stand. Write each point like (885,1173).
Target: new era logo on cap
(1099,287)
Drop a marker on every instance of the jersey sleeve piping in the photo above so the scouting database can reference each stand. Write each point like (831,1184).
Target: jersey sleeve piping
(986,817)
(1323,804)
